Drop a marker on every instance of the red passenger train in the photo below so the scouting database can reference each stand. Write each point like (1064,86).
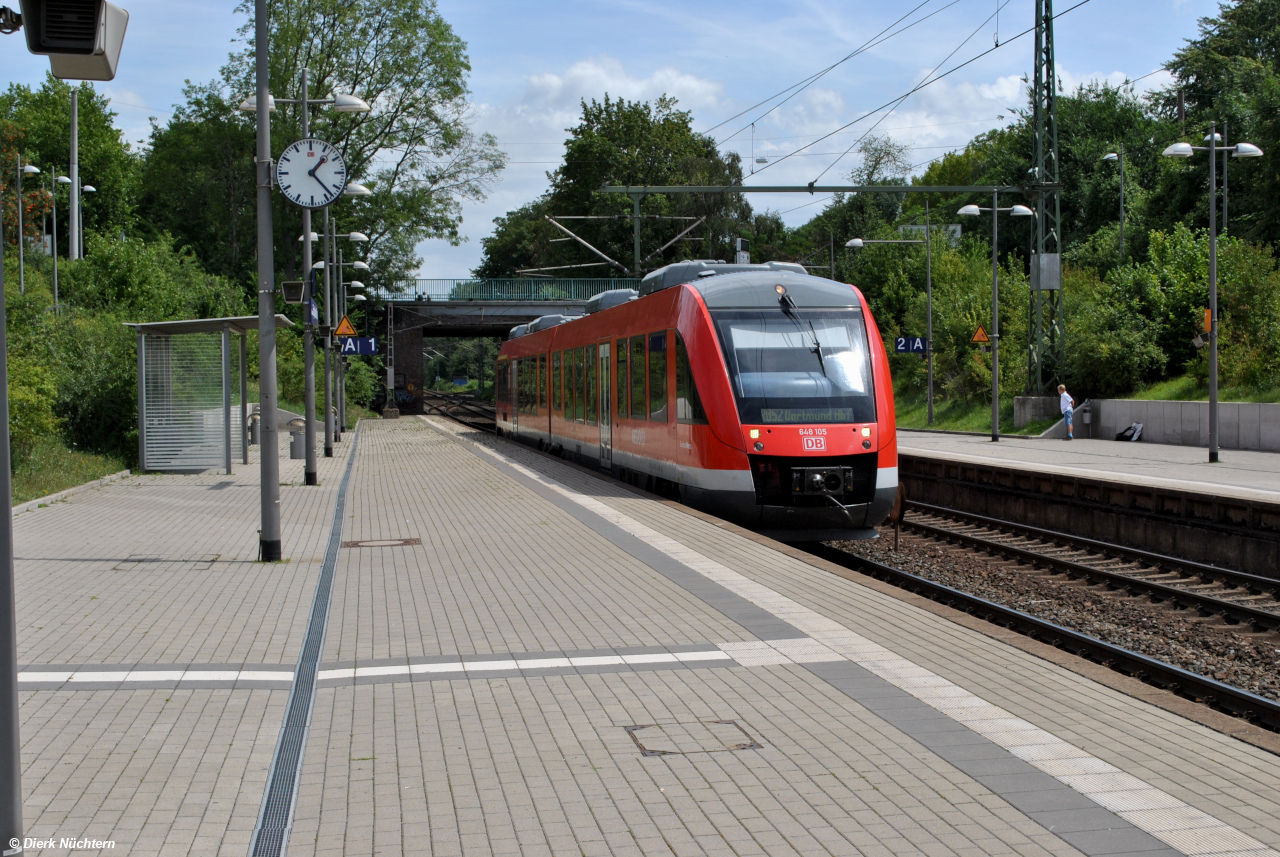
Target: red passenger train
(756,393)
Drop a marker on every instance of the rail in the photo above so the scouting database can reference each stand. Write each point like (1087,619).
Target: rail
(1135,579)
(484,289)
(1223,697)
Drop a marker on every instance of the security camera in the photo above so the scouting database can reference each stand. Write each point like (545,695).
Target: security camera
(82,38)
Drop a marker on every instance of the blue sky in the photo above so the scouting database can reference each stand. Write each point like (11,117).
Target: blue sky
(531,63)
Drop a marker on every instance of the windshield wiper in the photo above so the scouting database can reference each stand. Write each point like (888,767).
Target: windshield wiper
(788,308)
(817,348)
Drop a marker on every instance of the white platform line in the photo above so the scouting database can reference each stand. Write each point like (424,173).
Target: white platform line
(1178,824)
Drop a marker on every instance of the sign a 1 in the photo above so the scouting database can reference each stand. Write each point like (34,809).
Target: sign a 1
(357,345)
(910,345)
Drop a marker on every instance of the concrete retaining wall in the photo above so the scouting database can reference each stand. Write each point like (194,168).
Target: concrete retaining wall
(1028,409)
(1241,425)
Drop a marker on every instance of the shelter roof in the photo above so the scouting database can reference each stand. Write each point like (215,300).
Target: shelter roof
(238,324)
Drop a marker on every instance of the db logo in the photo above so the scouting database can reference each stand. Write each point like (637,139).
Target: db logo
(814,443)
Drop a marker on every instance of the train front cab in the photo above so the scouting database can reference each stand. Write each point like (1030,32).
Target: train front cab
(802,384)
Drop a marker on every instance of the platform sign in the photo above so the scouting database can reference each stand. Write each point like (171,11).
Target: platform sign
(313,313)
(349,345)
(980,335)
(345,328)
(910,344)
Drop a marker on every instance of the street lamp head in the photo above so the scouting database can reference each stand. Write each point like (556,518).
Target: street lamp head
(1217,138)
(1111,156)
(1247,150)
(318,266)
(250,104)
(357,237)
(356,189)
(970,210)
(358,298)
(30,170)
(359,266)
(344,103)
(314,237)
(62,180)
(355,284)
(1179,150)
(1021,211)
(89,189)
(854,243)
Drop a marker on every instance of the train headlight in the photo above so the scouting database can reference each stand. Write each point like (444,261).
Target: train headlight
(759,446)
(754,433)
(866,432)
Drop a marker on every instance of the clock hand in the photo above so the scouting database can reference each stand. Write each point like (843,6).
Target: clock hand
(320,163)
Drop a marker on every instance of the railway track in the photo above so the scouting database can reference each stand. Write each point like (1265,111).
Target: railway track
(462,407)
(1189,685)
(1236,597)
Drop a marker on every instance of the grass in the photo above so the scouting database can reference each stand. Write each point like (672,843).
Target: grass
(52,467)
(912,411)
(1187,388)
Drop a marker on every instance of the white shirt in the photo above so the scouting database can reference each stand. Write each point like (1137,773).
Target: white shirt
(1065,402)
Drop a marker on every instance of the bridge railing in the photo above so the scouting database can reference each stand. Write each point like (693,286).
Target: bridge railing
(480,289)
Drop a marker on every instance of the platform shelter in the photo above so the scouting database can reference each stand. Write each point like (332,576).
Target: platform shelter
(186,397)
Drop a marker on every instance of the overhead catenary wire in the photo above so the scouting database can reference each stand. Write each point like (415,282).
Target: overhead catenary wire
(975,32)
(891,102)
(814,78)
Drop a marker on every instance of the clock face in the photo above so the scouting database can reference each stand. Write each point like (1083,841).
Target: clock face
(311,173)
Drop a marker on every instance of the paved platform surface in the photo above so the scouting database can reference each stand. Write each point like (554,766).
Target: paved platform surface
(521,658)
(1238,473)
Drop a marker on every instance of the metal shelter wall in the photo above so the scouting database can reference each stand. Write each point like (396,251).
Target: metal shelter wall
(188,402)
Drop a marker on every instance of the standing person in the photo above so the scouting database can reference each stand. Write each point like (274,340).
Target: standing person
(1068,406)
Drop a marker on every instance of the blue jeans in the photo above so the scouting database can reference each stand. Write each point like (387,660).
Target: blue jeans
(1067,414)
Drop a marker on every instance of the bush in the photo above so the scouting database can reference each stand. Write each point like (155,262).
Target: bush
(363,383)
(32,393)
(97,384)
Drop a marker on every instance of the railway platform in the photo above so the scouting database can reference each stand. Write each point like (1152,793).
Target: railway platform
(1240,473)
(515,656)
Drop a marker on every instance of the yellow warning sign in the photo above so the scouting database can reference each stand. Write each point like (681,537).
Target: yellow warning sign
(979,335)
(345,328)
(1208,321)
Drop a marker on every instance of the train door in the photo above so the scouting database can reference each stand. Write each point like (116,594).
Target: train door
(606,402)
(516,366)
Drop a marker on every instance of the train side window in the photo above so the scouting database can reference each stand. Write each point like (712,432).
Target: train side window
(592,395)
(638,404)
(542,382)
(624,395)
(556,399)
(579,386)
(688,403)
(658,377)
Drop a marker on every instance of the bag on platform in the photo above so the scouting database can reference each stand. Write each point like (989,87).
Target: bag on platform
(1133,432)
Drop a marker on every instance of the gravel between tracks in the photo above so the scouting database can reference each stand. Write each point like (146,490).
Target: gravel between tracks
(1205,646)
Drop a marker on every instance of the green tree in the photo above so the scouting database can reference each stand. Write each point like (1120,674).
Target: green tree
(625,143)
(36,123)
(415,149)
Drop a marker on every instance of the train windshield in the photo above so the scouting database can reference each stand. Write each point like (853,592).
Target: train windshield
(803,366)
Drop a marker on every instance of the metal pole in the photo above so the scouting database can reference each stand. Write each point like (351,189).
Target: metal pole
(1213,296)
(995,316)
(831,252)
(341,369)
(244,397)
(328,343)
(928,302)
(53,181)
(22,268)
(635,232)
(269,537)
(226,395)
(1226,159)
(10,740)
(308,330)
(1122,203)
(73,250)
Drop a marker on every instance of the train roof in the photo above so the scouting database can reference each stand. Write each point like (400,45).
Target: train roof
(725,286)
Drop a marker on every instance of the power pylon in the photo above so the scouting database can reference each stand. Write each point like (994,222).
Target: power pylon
(1046,339)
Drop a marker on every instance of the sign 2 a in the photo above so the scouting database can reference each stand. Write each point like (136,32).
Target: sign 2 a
(910,344)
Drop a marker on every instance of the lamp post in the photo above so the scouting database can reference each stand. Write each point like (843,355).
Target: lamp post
(340,381)
(86,189)
(342,103)
(995,209)
(1118,157)
(857,243)
(54,193)
(1239,150)
(22,238)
